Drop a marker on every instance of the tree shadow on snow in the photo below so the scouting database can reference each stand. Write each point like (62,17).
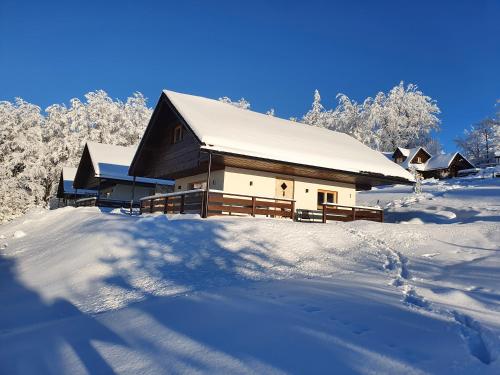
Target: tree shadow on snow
(40,337)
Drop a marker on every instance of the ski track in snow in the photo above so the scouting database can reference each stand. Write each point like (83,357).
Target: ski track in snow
(480,342)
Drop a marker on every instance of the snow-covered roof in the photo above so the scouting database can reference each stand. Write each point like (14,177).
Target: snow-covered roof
(497,153)
(226,128)
(68,176)
(442,161)
(113,162)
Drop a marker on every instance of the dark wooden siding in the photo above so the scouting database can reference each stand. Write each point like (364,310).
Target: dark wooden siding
(158,156)
(398,154)
(85,174)
(423,155)
(457,164)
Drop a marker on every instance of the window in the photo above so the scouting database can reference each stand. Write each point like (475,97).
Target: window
(197,185)
(326,196)
(399,160)
(419,159)
(178,134)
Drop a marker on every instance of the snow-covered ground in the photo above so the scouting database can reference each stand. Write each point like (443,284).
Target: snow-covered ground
(85,291)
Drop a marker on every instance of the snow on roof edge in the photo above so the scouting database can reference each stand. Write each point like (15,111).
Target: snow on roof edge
(199,113)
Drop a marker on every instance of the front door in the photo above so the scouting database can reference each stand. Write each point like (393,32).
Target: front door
(284,188)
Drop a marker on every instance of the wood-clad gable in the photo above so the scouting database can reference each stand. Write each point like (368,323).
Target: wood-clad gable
(85,177)
(60,188)
(158,155)
(398,156)
(420,157)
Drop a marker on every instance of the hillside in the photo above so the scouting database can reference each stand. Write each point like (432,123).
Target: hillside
(86,291)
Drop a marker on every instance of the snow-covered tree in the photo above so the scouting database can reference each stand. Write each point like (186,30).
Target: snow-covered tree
(242,103)
(404,117)
(21,152)
(480,141)
(317,114)
(34,147)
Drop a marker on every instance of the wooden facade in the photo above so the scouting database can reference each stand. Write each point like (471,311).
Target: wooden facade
(66,194)
(458,163)
(114,190)
(429,166)
(421,156)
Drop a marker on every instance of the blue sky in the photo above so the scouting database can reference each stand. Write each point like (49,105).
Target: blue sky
(273,53)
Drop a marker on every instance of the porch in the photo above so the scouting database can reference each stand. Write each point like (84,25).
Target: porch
(217,203)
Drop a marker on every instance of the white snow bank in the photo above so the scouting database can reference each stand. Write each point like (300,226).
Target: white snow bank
(94,292)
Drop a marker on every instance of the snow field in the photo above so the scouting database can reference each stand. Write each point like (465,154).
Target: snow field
(102,292)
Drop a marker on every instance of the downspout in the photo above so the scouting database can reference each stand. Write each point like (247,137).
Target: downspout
(208,183)
(133,195)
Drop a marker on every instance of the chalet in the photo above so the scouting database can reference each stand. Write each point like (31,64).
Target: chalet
(205,145)
(429,166)
(66,193)
(104,168)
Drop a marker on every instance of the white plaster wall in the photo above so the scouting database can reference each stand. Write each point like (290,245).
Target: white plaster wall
(264,184)
(216,177)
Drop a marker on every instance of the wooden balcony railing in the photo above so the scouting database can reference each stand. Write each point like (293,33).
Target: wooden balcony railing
(190,201)
(338,212)
(221,203)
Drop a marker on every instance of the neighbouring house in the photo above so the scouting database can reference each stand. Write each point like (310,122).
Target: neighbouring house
(497,157)
(203,143)
(429,166)
(66,193)
(104,168)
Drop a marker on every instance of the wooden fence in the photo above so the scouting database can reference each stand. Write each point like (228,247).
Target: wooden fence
(337,212)
(174,203)
(220,203)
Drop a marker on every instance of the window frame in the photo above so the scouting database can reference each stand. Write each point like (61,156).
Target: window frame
(191,185)
(178,134)
(333,193)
